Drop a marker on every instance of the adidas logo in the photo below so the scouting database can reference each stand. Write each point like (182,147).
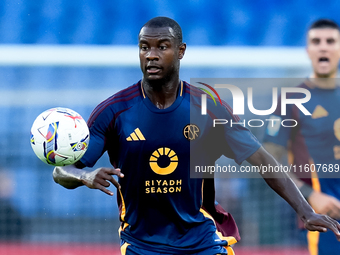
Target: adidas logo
(136,135)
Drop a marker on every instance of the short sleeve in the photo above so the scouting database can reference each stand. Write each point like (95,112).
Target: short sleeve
(99,123)
(238,142)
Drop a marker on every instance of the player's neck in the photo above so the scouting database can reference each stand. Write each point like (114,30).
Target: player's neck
(323,82)
(161,93)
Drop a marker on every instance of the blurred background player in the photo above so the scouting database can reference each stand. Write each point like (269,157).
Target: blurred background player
(316,138)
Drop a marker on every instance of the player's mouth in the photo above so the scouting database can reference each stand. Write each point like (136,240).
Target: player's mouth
(153,69)
(323,60)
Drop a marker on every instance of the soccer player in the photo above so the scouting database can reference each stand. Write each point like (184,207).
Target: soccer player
(151,140)
(315,141)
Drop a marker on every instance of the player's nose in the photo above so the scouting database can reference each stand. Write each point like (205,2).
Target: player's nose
(152,54)
(323,46)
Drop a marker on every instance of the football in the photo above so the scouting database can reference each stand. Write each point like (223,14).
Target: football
(59,136)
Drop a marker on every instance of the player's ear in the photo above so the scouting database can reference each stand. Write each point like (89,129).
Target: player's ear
(182,47)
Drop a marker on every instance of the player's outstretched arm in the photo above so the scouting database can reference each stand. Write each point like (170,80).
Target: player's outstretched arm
(72,177)
(283,185)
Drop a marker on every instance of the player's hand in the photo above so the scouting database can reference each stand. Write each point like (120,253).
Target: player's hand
(101,178)
(319,222)
(325,204)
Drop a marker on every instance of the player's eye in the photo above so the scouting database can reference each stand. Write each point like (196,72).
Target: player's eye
(330,41)
(163,47)
(143,47)
(315,41)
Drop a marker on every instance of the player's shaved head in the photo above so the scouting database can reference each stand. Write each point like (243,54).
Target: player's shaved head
(324,23)
(159,22)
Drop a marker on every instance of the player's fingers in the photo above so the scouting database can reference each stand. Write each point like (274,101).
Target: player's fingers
(97,185)
(337,234)
(105,190)
(337,231)
(324,222)
(114,182)
(106,174)
(115,171)
(338,227)
(103,182)
(333,225)
(316,228)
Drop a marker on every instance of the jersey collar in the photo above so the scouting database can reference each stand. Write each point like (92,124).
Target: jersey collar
(175,104)
(180,91)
